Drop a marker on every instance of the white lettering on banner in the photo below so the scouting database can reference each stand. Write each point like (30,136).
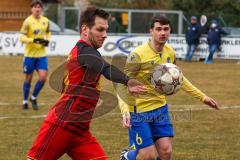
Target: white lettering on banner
(62,45)
(59,44)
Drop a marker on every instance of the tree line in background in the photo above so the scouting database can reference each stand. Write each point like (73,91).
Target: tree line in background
(227,12)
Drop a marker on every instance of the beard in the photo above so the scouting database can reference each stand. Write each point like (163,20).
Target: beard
(93,41)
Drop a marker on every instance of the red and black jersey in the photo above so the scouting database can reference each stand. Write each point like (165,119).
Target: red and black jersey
(80,95)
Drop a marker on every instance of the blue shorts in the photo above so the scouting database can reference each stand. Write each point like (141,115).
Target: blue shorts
(147,127)
(34,63)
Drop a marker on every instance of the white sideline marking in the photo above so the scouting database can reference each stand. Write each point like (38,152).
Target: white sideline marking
(15,104)
(182,108)
(4,104)
(202,107)
(194,108)
(23,117)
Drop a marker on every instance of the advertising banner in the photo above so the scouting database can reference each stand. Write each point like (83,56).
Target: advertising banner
(62,45)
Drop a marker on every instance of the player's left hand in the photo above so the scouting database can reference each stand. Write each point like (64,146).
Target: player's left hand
(211,102)
(126,120)
(45,42)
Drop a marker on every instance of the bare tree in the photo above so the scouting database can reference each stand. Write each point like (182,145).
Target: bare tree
(81,4)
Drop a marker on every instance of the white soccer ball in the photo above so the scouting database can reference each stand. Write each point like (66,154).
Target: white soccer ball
(167,78)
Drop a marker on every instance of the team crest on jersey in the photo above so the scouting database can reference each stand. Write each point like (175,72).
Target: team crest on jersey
(152,62)
(44,23)
(168,60)
(132,58)
(36,31)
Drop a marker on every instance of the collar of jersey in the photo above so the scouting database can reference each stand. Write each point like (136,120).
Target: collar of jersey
(81,40)
(149,44)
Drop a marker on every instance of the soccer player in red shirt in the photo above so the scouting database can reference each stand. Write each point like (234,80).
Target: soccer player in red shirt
(66,127)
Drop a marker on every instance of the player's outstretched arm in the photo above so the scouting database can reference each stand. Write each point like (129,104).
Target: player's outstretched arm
(211,102)
(96,65)
(192,90)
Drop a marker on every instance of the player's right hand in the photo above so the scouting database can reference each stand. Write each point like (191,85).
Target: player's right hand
(135,87)
(126,120)
(211,102)
(41,41)
(38,40)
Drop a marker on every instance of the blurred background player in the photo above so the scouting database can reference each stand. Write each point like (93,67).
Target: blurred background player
(193,34)
(149,119)
(35,33)
(66,129)
(214,40)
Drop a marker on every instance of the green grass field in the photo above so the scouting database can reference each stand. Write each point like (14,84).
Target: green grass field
(200,133)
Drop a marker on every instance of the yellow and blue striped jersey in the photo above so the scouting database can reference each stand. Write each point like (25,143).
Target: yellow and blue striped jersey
(34,28)
(140,64)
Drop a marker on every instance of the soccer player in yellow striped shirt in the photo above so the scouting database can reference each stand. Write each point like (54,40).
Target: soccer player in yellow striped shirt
(149,118)
(35,34)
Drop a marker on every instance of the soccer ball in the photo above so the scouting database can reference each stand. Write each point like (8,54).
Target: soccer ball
(167,78)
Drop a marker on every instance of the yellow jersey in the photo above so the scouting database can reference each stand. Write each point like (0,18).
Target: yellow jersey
(140,64)
(34,28)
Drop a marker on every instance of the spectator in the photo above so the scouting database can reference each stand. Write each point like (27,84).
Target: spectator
(214,39)
(204,24)
(192,37)
(114,26)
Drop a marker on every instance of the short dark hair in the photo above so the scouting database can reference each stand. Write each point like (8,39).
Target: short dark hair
(88,16)
(35,2)
(163,20)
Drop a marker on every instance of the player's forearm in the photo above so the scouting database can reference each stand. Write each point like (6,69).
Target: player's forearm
(114,74)
(125,100)
(192,90)
(122,105)
(24,39)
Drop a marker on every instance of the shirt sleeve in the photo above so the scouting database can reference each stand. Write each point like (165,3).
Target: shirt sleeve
(95,64)
(133,64)
(23,33)
(124,107)
(48,33)
(192,90)
(25,27)
(125,100)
